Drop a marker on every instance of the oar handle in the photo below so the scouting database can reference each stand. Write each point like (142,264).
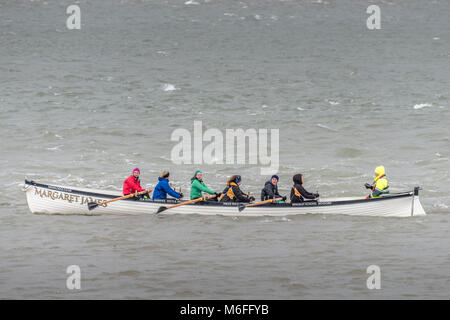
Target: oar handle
(263,202)
(191,201)
(131,195)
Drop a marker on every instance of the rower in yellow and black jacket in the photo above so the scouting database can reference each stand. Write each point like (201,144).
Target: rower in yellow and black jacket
(380,184)
(232,192)
(298,193)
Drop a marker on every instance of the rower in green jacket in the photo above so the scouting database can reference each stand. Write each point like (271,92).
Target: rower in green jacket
(198,186)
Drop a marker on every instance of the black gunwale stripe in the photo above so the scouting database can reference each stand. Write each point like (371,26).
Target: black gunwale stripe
(228,204)
(94,194)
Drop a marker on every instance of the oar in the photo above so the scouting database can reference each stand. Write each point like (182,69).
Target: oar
(93,205)
(161,209)
(242,207)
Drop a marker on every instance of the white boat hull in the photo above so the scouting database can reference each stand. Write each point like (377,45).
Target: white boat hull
(47,199)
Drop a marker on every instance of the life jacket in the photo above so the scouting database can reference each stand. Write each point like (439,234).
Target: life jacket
(381,184)
(297,193)
(232,193)
(228,192)
(296,196)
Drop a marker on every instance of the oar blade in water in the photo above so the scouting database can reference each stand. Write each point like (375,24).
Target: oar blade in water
(92,205)
(161,209)
(241,207)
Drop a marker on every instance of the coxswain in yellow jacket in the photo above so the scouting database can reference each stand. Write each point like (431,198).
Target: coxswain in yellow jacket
(380,183)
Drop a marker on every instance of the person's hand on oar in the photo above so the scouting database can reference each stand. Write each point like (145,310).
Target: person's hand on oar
(161,209)
(242,206)
(93,205)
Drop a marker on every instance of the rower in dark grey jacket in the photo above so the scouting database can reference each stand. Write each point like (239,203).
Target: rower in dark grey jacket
(270,190)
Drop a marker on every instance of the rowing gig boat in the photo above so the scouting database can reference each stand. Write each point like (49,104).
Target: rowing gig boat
(52,199)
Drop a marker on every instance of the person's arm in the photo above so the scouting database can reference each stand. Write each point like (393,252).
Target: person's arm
(170,191)
(278,195)
(138,186)
(269,191)
(240,195)
(368,186)
(202,187)
(126,187)
(306,194)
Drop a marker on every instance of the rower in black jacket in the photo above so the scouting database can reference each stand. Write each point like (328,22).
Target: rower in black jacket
(270,190)
(298,193)
(233,193)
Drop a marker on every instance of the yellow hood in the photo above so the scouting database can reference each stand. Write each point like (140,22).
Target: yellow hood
(379,171)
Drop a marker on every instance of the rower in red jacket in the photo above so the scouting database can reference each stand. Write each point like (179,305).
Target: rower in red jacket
(132,184)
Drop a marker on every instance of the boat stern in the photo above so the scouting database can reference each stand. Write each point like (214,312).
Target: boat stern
(417,209)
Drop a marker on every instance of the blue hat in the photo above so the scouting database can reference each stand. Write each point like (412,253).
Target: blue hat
(238,179)
(275,176)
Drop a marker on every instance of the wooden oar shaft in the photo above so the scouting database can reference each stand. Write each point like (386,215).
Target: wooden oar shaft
(124,197)
(191,201)
(263,202)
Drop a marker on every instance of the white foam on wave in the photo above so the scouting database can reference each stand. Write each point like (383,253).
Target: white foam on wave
(281,219)
(321,2)
(300,109)
(422,105)
(169,87)
(70,179)
(57,148)
(326,127)
(108,79)
(112,187)
(130,162)
(440,206)
(191,2)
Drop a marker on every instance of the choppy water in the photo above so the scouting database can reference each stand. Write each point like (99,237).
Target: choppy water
(83,108)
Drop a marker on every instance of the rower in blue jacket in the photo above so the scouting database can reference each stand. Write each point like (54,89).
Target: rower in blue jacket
(163,188)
